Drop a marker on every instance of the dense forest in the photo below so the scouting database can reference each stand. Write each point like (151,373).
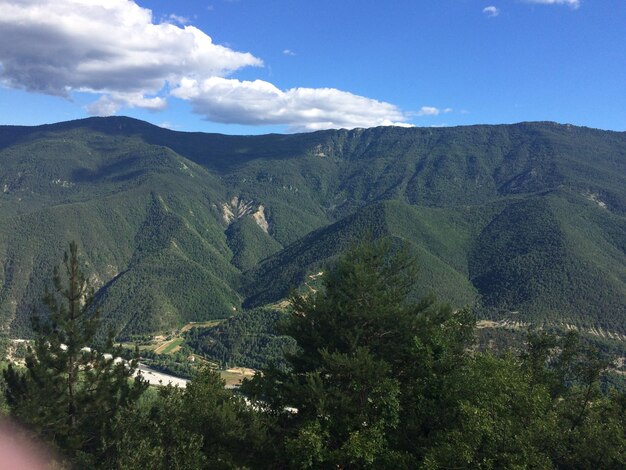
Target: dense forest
(248,339)
(524,222)
(375,379)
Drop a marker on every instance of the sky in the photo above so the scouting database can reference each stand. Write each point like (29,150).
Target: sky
(259,66)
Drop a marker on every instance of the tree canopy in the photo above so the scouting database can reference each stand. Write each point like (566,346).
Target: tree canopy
(383,382)
(69,391)
(376,380)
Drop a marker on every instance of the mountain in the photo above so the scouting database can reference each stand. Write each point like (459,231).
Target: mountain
(525,222)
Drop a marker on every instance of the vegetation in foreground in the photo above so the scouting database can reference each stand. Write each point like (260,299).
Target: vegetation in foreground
(377,381)
(70,393)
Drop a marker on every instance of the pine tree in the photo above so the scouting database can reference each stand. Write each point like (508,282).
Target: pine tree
(70,392)
(362,342)
(381,382)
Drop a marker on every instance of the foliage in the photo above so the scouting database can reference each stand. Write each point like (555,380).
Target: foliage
(247,339)
(357,340)
(202,426)
(69,392)
(176,364)
(155,436)
(249,243)
(378,380)
(381,382)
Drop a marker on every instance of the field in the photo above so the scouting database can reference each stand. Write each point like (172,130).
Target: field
(170,347)
(235,375)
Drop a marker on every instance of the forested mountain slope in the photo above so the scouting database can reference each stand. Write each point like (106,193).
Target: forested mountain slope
(524,221)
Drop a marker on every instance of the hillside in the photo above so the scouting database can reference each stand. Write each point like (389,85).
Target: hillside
(524,221)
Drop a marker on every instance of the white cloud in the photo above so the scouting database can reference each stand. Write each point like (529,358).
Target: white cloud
(112,46)
(572,3)
(113,49)
(491,11)
(259,102)
(288,52)
(111,103)
(432,111)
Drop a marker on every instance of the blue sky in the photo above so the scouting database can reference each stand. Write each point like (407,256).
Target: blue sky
(252,66)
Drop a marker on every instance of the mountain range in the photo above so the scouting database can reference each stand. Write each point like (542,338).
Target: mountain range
(524,222)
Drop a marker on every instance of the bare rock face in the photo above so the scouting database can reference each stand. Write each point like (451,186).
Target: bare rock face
(237,208)
(595,197)
(259,218)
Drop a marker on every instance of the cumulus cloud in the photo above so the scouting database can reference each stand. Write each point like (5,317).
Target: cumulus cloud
(114,49)
(259,102)
(491,11)
(572,3)
(58,46)
(288,52)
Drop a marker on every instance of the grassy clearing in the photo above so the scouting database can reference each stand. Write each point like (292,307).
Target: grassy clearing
(234,376)
(173,346)
(170,346)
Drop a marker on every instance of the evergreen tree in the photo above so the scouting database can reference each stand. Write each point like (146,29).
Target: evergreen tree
(382,382)
(155,435)
(201,426)
(363,344)
(70,391)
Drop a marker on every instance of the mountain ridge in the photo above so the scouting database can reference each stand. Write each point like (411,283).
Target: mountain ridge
(139,198)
